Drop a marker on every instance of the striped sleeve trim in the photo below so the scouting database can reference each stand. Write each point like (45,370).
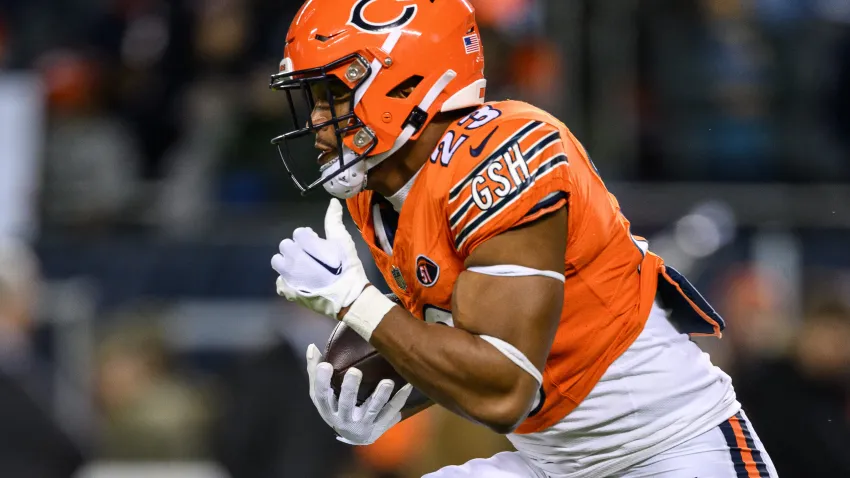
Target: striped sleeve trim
(533,153)
(503,148)
(547,202)
(547,167)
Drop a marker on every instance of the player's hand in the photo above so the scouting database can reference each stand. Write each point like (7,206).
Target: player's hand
(355,425)
(324,275)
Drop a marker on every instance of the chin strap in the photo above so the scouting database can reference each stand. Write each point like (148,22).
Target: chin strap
(353,180)
(411,128)
(377,66)
(345,184)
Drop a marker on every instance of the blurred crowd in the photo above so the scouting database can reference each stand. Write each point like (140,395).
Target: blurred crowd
(159,110)
(745,90)
(155,148)
(247,409)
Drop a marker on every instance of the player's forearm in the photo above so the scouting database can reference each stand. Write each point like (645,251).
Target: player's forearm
(456,369)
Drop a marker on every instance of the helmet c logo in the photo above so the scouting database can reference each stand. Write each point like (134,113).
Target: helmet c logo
(361,23)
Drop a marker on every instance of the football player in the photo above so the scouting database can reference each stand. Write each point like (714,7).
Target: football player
(528,305)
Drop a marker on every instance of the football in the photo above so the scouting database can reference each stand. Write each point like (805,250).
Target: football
(347,349)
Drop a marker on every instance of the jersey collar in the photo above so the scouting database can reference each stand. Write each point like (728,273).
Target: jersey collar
(397,199)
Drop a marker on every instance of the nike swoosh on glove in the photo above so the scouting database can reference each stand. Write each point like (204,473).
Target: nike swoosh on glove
(324,275)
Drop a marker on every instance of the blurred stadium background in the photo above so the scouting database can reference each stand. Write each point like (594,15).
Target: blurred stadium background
(140,202)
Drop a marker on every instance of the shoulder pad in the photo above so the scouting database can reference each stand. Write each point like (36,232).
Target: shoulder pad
(501,171)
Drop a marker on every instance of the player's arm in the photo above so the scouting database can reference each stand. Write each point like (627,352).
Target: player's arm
(456,366)
(489,367)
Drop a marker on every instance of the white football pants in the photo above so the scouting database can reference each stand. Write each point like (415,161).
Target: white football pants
(731,450)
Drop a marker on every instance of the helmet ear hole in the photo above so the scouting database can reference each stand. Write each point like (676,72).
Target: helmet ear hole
(405,88)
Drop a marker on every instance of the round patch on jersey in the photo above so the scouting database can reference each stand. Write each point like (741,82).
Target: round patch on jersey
(427,271)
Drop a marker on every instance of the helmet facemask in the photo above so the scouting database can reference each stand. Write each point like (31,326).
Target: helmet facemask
(347,170)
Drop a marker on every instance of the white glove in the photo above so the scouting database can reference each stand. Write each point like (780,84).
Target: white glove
(325,275)
(355,425)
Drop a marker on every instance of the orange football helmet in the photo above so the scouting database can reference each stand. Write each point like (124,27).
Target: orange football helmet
(374,46)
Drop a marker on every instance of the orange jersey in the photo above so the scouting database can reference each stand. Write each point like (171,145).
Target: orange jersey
(505,165)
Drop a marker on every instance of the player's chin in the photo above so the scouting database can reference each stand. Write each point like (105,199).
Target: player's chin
(325,157)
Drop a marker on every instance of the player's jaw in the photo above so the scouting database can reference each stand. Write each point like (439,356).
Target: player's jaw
(327,152)
(326,140)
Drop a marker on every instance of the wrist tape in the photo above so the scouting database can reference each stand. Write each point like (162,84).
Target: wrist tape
(368,311)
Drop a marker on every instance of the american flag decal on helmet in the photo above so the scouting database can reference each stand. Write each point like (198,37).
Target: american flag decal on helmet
(471,43)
